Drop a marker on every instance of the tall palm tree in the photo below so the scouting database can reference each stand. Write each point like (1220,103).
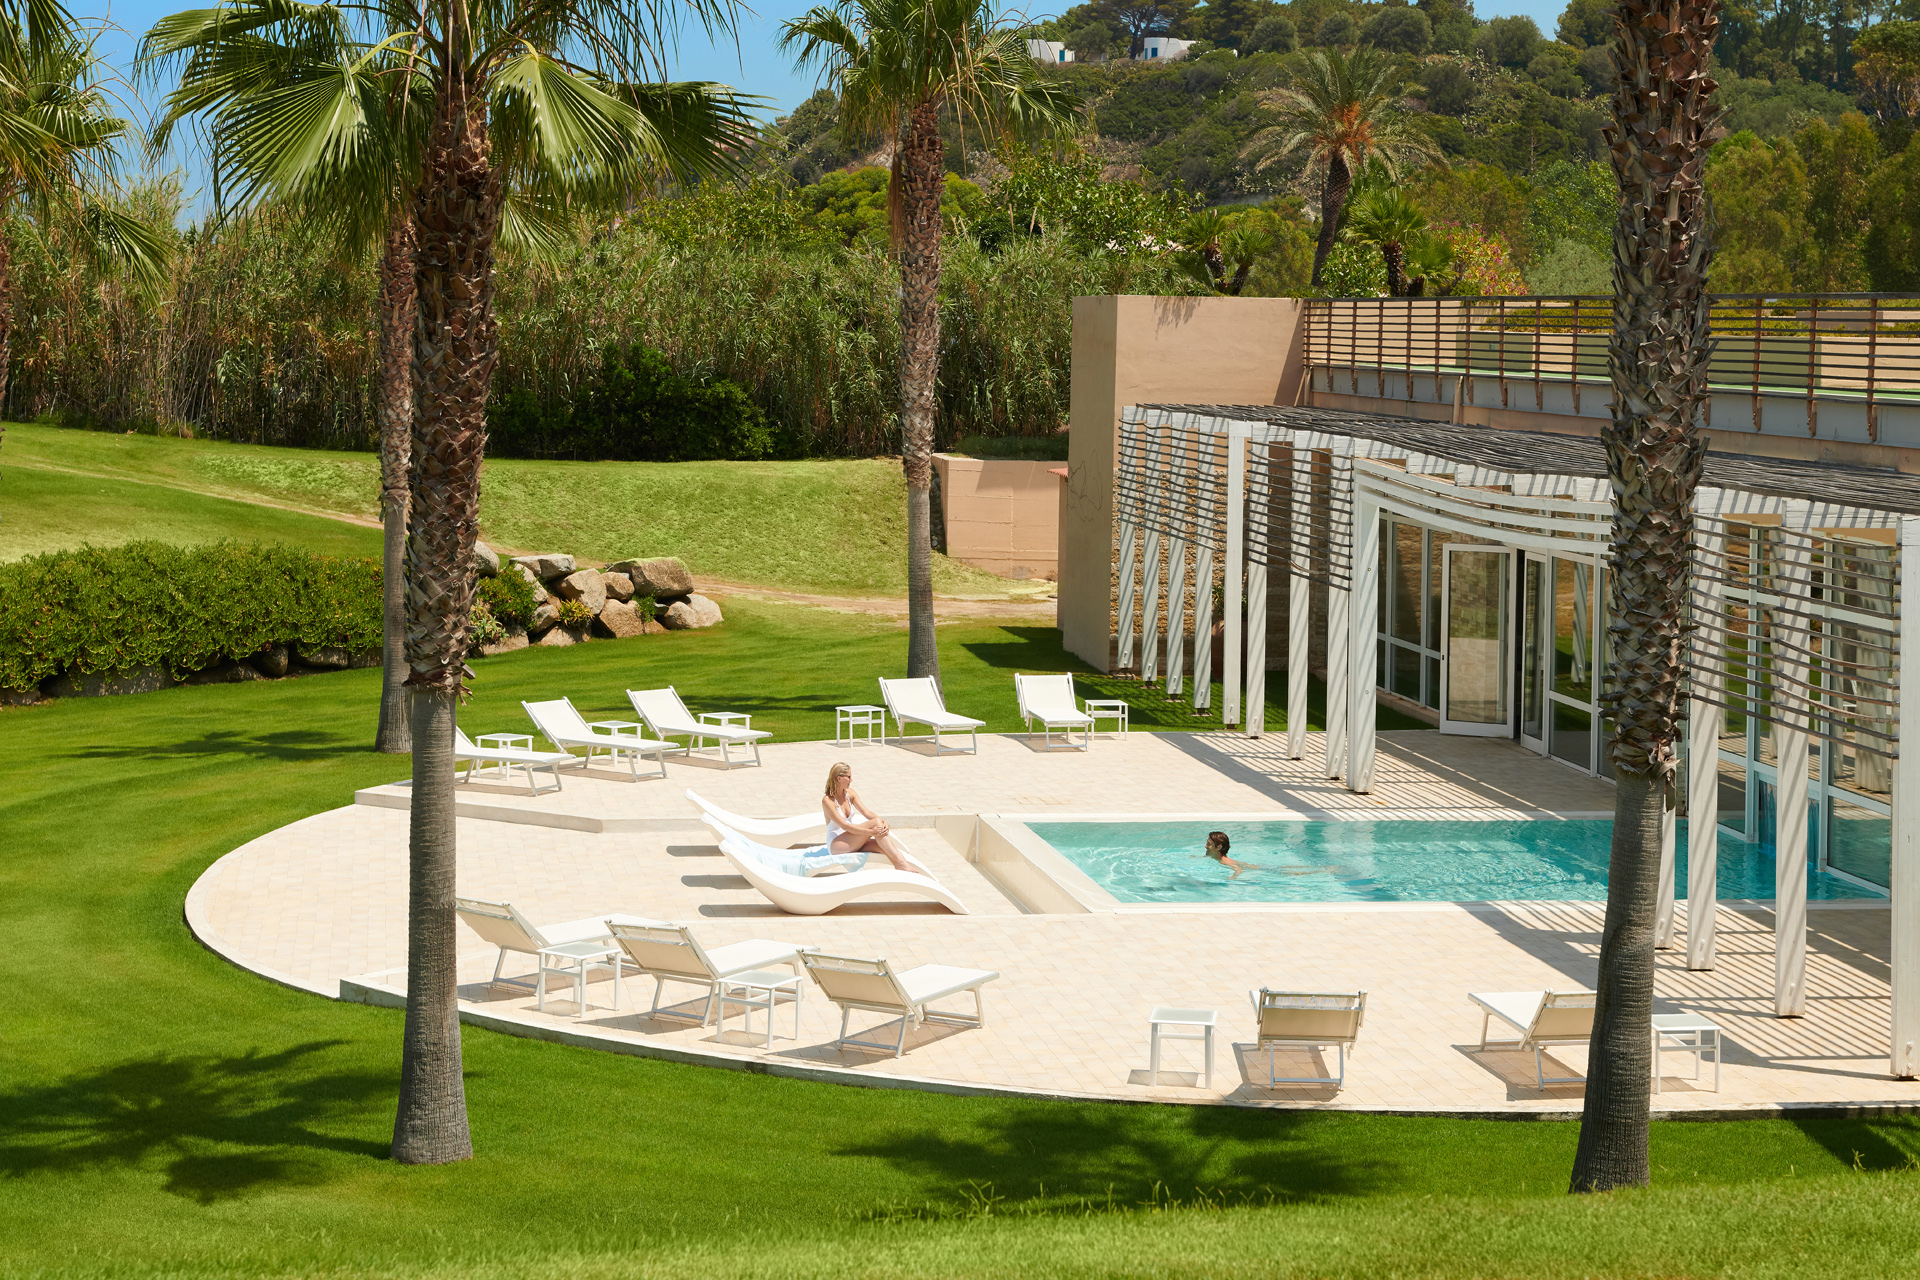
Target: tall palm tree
(307,115)
(58,146)
(546,98)
(897,66)
(1663,126)
(1342,110)
(1391,222)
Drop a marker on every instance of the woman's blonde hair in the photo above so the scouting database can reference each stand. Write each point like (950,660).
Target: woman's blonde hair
(839,771)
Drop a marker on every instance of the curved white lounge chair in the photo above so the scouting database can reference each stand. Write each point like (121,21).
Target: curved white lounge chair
(774,828)
(815,896)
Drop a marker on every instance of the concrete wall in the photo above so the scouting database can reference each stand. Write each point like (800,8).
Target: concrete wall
(1000,514)
(1142,350)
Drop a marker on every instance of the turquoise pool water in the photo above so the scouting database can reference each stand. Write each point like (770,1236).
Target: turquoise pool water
(1385,861)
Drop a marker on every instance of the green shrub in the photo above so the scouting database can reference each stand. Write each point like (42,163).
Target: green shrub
(508,597)
(572,613)
(483,627)
(110,609)
(1051,448)
(637,409)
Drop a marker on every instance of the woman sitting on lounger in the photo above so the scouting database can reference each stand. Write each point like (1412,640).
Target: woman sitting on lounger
(847,833)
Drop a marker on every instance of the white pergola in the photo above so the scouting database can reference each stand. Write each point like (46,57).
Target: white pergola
(1799,571)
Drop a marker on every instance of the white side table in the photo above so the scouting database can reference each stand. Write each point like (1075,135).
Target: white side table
(848,720)
(761,989)
(1108,709)
(1686,1033)
(1164,1016)
(573,960)
(505,741)
(725,719)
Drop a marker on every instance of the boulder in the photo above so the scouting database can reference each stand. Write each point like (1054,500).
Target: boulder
(514,639)
(539,591)
(584,585)
(621,621)
(101,684)
(694,612)
(224,673)
(486,561)
(658,578)
(22,697)
(364,659)
(544,615)
(619,586)
(557,638)
(271,661)
(547,566)
(328,657)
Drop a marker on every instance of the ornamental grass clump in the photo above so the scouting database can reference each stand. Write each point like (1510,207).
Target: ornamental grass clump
(102,610)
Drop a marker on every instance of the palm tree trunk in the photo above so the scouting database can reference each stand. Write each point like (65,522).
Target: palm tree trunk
(1396,257)
(1333,197)
(1662,129)
(396,426)
(922,180)
(455,345)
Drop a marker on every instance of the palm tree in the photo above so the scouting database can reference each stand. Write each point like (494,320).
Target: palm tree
(544,98)
(1224,248)
(1386,219)
(1663,126)
(898,65)
(58,143)
(1342,111)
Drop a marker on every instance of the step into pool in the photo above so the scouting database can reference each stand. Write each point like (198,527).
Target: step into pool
(1387,861)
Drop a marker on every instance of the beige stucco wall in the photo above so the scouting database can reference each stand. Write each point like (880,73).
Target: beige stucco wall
(1143,350)
(1001,515)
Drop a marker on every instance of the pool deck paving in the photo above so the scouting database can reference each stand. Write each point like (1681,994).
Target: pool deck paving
(321,905)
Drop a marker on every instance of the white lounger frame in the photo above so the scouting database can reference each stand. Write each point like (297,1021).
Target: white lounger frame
(1557,1020)
(554,727)
(873,986)
(678,722)
(670,953)
(507,758)
(1065,719)
(1307,1020)
(948,722)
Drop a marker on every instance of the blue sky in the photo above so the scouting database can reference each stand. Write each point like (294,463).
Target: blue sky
(755,66)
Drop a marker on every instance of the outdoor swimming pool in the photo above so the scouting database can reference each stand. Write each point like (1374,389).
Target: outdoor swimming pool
(1392,861)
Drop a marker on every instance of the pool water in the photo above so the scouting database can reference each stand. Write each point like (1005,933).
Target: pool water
(1389,861)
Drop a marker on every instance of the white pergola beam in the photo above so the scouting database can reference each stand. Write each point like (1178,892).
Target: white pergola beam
(1904,880)
(1299,599)
(1231,602)
(1362,645)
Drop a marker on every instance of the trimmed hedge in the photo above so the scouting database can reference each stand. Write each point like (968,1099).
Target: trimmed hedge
(112,609)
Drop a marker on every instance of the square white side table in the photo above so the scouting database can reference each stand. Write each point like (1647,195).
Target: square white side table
(1165,1016)
(1108,709)
(848,720)
(1686,1033)
(726,720)
(573,960)
(761,989)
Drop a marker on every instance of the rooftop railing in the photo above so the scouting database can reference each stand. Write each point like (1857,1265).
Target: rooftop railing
(1843,366)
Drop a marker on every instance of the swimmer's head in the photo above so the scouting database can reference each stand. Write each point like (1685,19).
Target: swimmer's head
(1218,844)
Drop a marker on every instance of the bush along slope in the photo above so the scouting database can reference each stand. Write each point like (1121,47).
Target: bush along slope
(147,605)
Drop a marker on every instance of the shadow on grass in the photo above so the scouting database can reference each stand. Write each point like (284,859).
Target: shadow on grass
(285,745)
(1067,1159)
(219,1127)
(1891,1142)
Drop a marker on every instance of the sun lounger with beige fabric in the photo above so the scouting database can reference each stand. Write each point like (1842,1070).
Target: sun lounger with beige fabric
(670,953)
(919,702)
(872,985)
(502,925)
(504,755)
(667,716)
(1543,1019)
(1049,699)
(1308,1020)
(563,726)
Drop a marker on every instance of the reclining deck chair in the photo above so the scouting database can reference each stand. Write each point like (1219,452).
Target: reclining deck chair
(562,725)
(506,758)
(502,925)
(1049,699)
(667,716)
(919,702)
(855,983)
(1543,1019)
(1308,1020)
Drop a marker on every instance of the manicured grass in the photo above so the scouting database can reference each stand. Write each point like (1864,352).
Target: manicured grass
(53,510)
(836,527)
(162,1113)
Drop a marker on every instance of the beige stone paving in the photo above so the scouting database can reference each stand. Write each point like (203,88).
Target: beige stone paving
(324,899)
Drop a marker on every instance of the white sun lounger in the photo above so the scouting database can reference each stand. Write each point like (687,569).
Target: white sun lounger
(769,828)
(1543,1019)
(855,983)
(561,725)
(667,717)
(817,895)
(502,925)
(507,758)
(1049,699)
(919,702)
(1308,1020)
(669,953)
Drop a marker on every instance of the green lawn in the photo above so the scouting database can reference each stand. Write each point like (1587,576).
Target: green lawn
(162,1113)
(835,527)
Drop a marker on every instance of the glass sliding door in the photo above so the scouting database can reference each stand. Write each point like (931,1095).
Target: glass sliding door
(1476,696)
(1536,637)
